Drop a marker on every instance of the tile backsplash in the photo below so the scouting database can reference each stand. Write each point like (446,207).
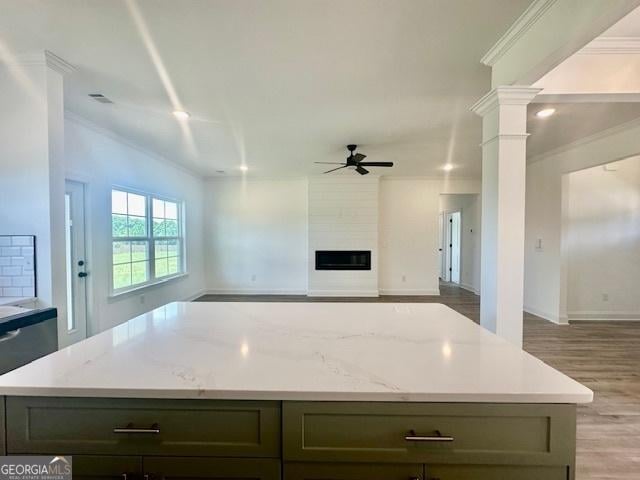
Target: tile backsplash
(17,266)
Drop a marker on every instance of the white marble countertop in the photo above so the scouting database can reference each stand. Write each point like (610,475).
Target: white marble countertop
(7,301)
(298,351)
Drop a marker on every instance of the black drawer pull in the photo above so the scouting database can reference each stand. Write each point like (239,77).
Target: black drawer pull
(438,437)
(154,429)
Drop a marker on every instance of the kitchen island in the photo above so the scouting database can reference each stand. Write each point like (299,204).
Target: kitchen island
(297,391)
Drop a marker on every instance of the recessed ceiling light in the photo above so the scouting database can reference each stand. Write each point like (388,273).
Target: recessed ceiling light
(181,115)
(244,168)
(547,112)
(448,167)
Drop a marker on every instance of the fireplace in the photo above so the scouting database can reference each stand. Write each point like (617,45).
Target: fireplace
(343,259)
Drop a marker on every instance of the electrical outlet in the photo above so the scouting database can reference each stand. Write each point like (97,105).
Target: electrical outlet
(142,299)
(605,297)
(404,278)
(253,277)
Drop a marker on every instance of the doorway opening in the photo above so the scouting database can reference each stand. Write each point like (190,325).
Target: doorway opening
(450,257)
(73,328)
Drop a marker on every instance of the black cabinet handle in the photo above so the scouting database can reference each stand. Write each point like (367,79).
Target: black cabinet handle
(82,274)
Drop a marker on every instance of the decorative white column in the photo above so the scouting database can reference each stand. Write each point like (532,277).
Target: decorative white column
(32,182)
(504,147)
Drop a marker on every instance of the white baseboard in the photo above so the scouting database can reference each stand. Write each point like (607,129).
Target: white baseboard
(198,294)
(343,293)
(250,291)
(546,315)
(409,292)
(470,288)
(601,316)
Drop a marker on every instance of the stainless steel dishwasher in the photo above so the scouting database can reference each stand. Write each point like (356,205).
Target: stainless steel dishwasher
(26,335)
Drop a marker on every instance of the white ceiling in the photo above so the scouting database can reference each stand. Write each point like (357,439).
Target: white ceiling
(628,26)
(276,84)
(572,122)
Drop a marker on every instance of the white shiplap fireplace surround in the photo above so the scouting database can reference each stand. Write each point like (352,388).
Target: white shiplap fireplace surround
(343,215)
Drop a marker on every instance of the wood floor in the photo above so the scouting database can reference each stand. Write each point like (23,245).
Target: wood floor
(604,356)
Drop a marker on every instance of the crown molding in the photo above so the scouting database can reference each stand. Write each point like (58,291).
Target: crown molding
(587,98)
(43,58)
(612,46)
(505,95)
(521,26)
(585,140)
(80,120)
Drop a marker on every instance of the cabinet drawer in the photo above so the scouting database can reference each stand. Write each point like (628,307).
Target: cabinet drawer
(88,467)
(379,432)
(474,472)
(352,471)
(176,468)
(164,427)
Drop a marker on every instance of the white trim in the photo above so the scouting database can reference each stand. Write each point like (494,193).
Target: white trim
(192,297)
(603,315)
(410,292)
(140,289)
(504,95)
(343,293)
(587,98)
(469,288)
(43,58)
(545,315)
(521,26)
(252,291)
(82,121)
(612,46)
(586,140)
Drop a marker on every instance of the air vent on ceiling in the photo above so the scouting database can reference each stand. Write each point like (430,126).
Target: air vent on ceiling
(98,97)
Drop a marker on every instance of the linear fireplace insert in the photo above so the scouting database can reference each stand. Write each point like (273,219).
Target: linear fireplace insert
(343,260)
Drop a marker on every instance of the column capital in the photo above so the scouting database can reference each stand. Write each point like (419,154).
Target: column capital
(505,95)
(41,58)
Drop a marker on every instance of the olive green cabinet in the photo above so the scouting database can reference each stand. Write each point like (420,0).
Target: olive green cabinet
(493,472)
(148,439)
(183,468)
(143,427)
(90,467)
(352,471)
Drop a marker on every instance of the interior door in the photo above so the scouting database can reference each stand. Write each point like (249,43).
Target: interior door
(455,247)
(73,328)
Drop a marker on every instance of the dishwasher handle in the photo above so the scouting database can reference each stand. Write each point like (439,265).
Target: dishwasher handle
(9,335)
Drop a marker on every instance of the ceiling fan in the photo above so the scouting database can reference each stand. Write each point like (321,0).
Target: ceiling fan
(356,160)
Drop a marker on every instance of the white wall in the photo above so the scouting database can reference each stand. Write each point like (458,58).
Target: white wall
(256,236)
(343,215)
(545,268)
(409,237)
(100,160)
(263,224)
(469,206)
(603,242)
(31,166)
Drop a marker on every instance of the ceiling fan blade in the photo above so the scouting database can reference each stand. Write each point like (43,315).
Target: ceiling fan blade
(330,163)
(334,169)
(377,164)
(361,171)
(358,157)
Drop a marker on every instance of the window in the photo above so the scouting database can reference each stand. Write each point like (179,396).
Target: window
(146,239)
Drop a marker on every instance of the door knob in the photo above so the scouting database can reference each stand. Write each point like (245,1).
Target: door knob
(82,274)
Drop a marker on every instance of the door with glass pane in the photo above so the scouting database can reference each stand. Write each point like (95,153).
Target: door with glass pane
(73,326)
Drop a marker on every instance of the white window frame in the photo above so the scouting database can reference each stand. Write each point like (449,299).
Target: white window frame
(152,281)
